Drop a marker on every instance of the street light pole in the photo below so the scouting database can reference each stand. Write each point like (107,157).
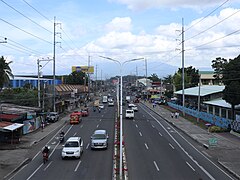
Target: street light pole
(121,99)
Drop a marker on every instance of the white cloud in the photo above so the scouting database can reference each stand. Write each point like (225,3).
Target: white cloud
(119,24)
(143,4)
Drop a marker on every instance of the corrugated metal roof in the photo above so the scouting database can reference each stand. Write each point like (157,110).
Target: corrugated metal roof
(220,102)
(204,90)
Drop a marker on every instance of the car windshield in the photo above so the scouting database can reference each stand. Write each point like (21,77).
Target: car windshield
(99,136)
(72,144)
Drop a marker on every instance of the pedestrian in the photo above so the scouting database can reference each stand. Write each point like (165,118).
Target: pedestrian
(172,115)
(42,124)
(176,114)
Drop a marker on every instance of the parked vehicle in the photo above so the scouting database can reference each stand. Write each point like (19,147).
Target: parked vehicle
(101,106)
(104,99)
(52,117)
(75,117)
(128,99)
(99,139)
(129,114)
(73,147)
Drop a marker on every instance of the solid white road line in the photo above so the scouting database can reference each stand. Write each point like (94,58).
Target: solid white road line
(156,166)
(87,146)
(146,146)
(171,145)
(136,125)
(97,125)
(77,165)
(47,166)
(190,166)
(140,133)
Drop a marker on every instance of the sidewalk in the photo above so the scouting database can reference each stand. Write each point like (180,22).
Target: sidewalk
(227,150)
(13,157)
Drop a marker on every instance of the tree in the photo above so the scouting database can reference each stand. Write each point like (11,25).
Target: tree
(154,77)
(231,80)
(5,72)
(76,78)
(168,79)
(218,65)
(191,78)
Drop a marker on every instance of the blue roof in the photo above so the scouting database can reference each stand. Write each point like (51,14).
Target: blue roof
(204,90)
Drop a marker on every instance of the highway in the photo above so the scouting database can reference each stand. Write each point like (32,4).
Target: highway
(156,150)
(93,164)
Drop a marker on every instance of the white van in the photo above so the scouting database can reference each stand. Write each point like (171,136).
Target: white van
(129,114)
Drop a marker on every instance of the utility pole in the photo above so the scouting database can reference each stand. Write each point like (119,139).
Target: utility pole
(96,81)
(146,76)
(54,63)
(183,86)
(88,78)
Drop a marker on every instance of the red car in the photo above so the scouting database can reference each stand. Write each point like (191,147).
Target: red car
(84,113)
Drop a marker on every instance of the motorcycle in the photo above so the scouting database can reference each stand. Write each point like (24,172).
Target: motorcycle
(45,157)
(61,138)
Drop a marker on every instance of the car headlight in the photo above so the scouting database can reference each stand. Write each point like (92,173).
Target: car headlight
(63,152)
(77,151)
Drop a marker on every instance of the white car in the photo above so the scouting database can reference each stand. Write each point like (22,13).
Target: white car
(129,114)
(73,147)
(110,103)
(101,106)
(133,107)
(99,139)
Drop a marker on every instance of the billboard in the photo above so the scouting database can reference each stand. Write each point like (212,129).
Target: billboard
(85,69)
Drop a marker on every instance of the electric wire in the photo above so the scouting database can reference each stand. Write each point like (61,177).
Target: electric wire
(26,17)
(212,26)
(206,16)
(26,31)
(37,11)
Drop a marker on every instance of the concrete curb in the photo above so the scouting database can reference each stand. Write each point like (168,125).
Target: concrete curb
(232,172)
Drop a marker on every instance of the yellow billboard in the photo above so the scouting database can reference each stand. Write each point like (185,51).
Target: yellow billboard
(85,69)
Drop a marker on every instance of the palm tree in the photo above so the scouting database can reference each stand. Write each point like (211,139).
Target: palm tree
(5,72)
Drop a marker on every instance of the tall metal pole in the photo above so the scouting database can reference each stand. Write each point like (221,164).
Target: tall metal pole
(146,76)
(39,102)
(183,86)
(199,96)
(121,133)
(54,77)
(88,78)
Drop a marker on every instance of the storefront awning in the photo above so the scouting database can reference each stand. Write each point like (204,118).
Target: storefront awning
(13,127)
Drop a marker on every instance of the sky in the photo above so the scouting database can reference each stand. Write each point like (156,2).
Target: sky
(163,35)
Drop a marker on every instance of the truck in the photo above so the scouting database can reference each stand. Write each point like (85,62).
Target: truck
(104,99)
(75,117)
(128,99)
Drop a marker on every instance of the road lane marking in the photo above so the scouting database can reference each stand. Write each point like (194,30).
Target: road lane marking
(81,126)
(74,134)
(190,166)
(133,120)
(146,146)
(36,155)
(179,145)
(160,134)
(34,172)
(153,126)
(87,146)
(47,166)
(171,145)
(156,166)
(140,133)
(77,165)
(100,120)
(136,125)
(97,125)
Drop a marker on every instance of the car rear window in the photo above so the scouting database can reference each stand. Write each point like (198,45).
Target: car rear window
(99,136)
(72,144)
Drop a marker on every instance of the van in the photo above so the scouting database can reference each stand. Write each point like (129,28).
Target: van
(99,139)
(129,114)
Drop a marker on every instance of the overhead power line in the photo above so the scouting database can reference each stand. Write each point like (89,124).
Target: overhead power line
(213,25)
(26,31)
(206,16)
(37,11)
(26,16)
